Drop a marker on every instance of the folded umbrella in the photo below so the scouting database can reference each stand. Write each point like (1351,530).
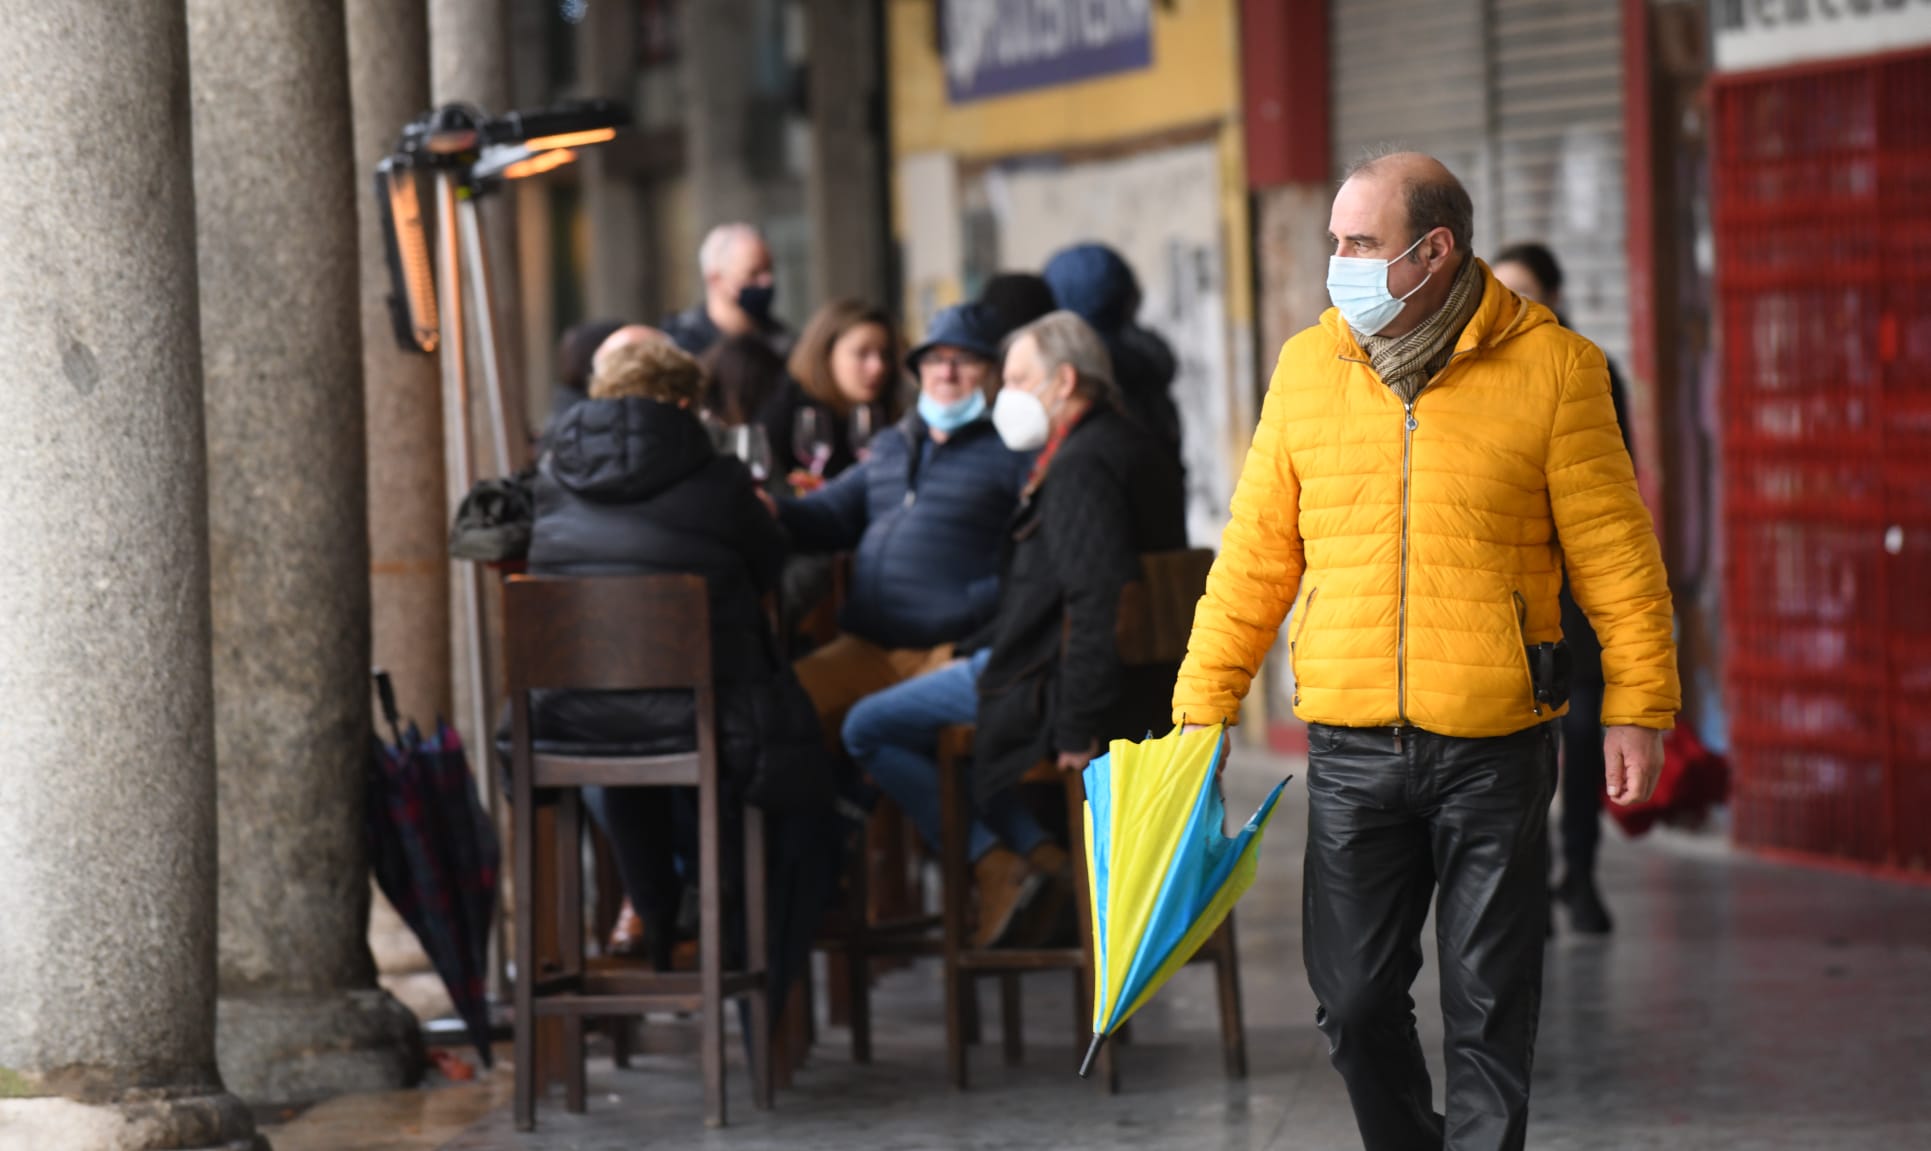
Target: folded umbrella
(436,857)
(1163,875)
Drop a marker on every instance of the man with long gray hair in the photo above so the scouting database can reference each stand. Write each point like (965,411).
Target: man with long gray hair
(1042,680)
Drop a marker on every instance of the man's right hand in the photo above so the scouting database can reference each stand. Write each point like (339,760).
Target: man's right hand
(1190,728)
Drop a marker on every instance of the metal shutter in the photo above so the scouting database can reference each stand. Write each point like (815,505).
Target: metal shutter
(1414,74)
(1557,83)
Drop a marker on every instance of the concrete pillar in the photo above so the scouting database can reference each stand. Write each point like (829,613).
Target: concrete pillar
(408,524)
(846,189)
(469,62)
(107,777)
(717,59)
(612,201)
(301,1016)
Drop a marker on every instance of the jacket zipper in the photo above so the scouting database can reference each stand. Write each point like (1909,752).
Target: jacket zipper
(1401,610)
(1293,644)
(1409,424)
(1522,635)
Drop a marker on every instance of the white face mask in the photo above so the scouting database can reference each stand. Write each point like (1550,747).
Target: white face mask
(1021,420)
(1359,289)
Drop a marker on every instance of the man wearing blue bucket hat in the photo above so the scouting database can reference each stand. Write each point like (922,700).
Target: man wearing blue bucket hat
(924,516)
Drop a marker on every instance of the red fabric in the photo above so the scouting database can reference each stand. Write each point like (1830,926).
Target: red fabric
(1693,780)
(1046,453)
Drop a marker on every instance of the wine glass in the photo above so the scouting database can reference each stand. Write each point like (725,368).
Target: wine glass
(750,444)
(863,426)
(811,439)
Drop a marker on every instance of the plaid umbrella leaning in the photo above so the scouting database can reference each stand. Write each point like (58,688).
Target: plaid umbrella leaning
(435,856)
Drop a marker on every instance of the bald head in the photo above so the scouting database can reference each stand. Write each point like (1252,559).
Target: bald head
(1410,212)
(624,337)
(1431,197)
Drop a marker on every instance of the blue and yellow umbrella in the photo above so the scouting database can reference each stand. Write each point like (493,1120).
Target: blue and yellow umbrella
(1163,875)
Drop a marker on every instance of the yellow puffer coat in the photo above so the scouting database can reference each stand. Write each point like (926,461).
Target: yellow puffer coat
(1420,548)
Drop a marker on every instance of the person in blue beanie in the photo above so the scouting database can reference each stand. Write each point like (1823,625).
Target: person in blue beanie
(1095,283)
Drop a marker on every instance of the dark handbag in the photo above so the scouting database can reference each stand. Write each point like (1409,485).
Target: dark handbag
(494,521)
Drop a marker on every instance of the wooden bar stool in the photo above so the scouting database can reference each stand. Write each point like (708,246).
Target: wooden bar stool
(1155,617)
(623,633)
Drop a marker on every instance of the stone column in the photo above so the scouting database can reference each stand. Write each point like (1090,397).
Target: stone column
(612,201)
(300,1016)
(408,524)
(716,60)
(107,779)
(469,62)
(846,191)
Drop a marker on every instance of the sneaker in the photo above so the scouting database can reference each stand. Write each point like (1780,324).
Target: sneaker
(1007,887)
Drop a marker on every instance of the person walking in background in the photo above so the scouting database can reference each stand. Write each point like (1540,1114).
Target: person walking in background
(843,389)
(1096,283)
(1429,458)
(739,290)
(1530,270)
(1042,680)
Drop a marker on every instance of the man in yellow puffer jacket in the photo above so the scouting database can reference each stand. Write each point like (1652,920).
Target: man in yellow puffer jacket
(1429,458)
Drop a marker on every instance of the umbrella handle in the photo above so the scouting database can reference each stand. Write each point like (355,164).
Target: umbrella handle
(1092,1052)
(385,690)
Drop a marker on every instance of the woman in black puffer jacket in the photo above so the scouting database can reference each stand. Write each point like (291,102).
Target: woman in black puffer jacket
(631,485)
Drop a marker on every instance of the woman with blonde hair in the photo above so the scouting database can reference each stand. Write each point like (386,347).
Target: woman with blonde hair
(845,371)
(632,486)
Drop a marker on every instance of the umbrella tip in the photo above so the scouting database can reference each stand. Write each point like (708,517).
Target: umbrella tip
(1092,1051)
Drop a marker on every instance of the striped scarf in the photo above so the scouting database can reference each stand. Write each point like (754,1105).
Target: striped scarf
(1406,363)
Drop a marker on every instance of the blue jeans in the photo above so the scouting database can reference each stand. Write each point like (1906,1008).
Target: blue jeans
(894,736)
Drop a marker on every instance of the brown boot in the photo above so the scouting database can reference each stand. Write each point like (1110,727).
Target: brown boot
(1007,886)
(1052,906)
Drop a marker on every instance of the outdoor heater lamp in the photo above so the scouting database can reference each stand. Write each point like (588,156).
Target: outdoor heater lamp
(479,153)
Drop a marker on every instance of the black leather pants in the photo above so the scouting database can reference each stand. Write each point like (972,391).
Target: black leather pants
(1390,817)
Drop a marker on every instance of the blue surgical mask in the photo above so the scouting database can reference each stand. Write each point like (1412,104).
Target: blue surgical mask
(949,418)
(1359,289)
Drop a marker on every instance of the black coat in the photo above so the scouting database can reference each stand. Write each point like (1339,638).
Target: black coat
(634,487)
(779,417)
(1054,682)
(695,332)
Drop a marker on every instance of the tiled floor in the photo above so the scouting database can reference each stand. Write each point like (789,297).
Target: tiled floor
(1739,1005)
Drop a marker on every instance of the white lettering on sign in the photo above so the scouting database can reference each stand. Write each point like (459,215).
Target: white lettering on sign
(1753,34)
(994,46)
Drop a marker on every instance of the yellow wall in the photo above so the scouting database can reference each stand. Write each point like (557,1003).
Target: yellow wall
(1195,79)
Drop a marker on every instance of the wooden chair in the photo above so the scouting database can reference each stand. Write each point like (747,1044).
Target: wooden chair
(1156,615)
(623,633)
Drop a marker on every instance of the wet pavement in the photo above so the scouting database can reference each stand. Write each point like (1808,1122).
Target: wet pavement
(1740,1004)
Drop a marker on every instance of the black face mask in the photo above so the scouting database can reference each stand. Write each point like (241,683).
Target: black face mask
(756,300)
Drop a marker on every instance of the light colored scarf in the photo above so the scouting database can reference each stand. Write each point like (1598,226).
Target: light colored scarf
(1407,362)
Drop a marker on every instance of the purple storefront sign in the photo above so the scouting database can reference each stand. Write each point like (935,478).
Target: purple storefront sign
(994,47)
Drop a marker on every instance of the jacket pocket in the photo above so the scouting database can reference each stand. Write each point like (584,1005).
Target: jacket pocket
(1294,641)
(1522,648)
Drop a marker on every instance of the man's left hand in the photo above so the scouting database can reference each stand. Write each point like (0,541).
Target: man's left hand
(1632,759)
(1077,760)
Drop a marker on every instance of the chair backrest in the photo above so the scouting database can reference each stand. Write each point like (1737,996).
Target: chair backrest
(607,633)
(1156,610)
